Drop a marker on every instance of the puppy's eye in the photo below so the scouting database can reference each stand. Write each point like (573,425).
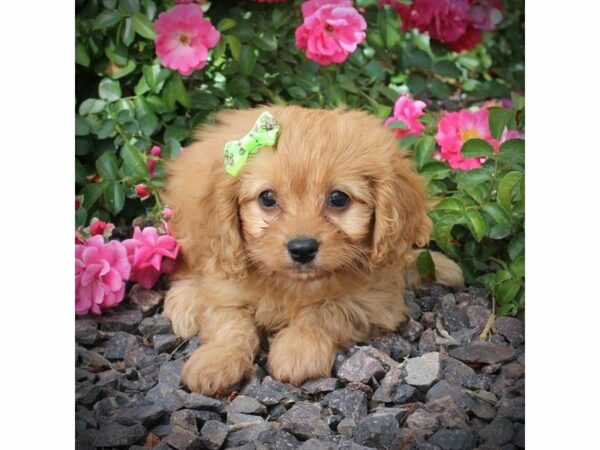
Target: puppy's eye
(267,199)
(338,199)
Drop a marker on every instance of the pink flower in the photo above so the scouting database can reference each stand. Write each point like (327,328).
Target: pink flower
(408,111)
(485,15)
(467,41)
(331,30)
(142,191)
(167,213)
(150,254)
(455,128)
(100,273)
(271,1)
(155,150)
(151,166)
(184,37)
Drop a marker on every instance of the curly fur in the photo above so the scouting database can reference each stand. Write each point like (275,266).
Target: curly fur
(236,279)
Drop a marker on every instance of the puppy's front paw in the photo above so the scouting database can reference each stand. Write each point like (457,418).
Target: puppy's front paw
(296,356)
(213,368)
(182,310)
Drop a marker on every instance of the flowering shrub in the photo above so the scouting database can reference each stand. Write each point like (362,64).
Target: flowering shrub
(446,76)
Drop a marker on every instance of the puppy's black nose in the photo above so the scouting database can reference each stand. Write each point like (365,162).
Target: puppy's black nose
(302,249)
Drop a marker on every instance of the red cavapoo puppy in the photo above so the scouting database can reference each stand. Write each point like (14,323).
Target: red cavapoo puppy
(310,243)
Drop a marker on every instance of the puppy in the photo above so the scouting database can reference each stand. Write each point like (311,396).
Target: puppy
(309,243)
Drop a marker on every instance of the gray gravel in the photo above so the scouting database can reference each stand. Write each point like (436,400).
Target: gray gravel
(433,385)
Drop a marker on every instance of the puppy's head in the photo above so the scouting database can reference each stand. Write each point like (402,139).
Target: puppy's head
(334,196)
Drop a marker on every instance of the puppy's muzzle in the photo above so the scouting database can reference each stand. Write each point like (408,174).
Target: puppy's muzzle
(303,249)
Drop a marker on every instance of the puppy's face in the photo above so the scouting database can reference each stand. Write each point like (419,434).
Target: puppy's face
(323,201)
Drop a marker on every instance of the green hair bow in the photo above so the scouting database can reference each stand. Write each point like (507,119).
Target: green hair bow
(263,134)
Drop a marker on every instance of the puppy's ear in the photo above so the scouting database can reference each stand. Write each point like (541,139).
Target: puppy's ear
(204,199)
(400,213)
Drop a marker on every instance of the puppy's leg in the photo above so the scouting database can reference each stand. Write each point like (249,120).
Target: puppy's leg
(301,352)
(229,344)
(183,307)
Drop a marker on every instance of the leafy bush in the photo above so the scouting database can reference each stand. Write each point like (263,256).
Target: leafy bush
(127,103)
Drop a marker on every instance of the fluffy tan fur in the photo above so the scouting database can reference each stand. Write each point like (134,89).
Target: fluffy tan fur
(236,280)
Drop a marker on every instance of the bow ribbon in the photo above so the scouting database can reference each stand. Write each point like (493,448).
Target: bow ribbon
(263,134)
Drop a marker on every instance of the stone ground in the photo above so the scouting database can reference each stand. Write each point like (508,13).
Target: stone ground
(433,385)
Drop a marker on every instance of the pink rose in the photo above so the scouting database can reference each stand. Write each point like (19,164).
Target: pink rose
(331,31)
(97,226)
(455,128)
(151,166)
(184,37)
(408,111)
(155,150)
(100,273)
(150,254)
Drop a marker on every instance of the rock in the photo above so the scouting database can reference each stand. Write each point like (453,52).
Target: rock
(346,427)
(183,440)
(483,409)
(139,357)
(393,345)
(483,352)
(114,435)
(246,405)
(360,367)
(508,377)
(108,378)
(304,421)
(412,330)
(428,320)
(243,433)
(349,404)
(353,386)
(116,346)
(498,432)
(164,343)
(453,439)
(199,401)
(147,415)
(442,413)
(426,303)
(387,389)
(519,437)
(320,385)
(424,370)
(378,432)
(345,444)
(398,412)
(151,326)
(414,310)
(126,320)
(236,418)
(170,372)
(454,317)
(271,392)
(458,373)
(512,408)
(512,329)
(144,299)
(277,440)
(189,420)
(405,394)
(91,360)
(478,317)
(276,411)
(86,332)
(427,342)
(316,444)
(442,388)
(167,395)
(213,434)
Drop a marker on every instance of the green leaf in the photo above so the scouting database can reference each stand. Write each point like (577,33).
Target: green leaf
(506,186)
(398,125)
(82,128)
(226,24)
(477,148)
(507,292)
(109,90)
(108,166)
(348,85)
(498,213)
(128,33)
(475,223)
(446,69)
(389,26)
(498,118)
(106,18)
(91,193)
(435,170)
(424,148)
(173,147)
(148,124)
(512,152)
(518,267)
(449,204)
(235,46)
(518,101)
(129,6)
(80,217)
(91,106)
(80,173)
(488,280)
(516,247)
(426,266)
(473,177)
(247,60)
(81,55)
(143,26)
(133,160)
(114,197)
(442,233)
